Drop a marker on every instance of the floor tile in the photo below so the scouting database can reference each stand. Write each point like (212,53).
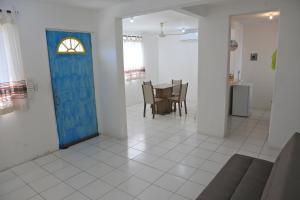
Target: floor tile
(183,148)
(209,146)
(85,163)
(37,197)
(251,148)
(227,150)
(167,145)
(57,192)
(44,183)
(6,176)
(117,194)
(74,157)
(134,186)
(103,155)
(202,177)
(219,158)
(149,174)
(201,153)
(154,192)
(211,166)
(96,189)
(193,161)
(177,197)
(157,151)
(170,182)
(66,173)
(131,153)
(145,158)
(116,161)
(25,168)
(116,177)
(76,196)
(190,190)
(132,167)
(117,148)
(80,180)
(45,159)
(174,156)
(268,158)
(56,165)
(100,170)
(34,175)
(19,194)
(91,150)
(163,164)
(182,171)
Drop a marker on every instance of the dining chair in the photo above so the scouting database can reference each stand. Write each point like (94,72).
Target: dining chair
(147,82)
(180,98)
(149,98)
(176,87)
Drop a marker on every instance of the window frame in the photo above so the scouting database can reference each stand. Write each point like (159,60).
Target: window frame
(70,53)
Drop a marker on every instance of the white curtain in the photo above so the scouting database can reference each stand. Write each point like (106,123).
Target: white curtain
(13,89)
(133,57)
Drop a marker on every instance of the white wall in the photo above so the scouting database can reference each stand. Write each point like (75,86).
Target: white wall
(25,135)
(212,74)
(213,65)
(179,60)
(285,118)
(134,94)
(260,38)
(236,55)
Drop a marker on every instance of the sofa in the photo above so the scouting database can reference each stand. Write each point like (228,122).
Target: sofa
(247,178)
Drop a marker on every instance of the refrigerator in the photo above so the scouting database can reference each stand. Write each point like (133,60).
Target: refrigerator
(241,100)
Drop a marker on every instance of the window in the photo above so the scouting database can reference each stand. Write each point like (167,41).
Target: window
(13,89)
(133,57)
(70,45)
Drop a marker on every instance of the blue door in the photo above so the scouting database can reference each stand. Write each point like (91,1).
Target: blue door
(71,67)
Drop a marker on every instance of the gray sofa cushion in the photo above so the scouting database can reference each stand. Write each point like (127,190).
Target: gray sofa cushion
(252,184)
(234,178)
(284,180)
(247,178)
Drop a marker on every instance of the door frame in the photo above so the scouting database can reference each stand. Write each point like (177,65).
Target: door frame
(51,86)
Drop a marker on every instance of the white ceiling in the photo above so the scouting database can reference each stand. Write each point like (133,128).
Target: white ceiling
(257,17)
(173,22)
(93,4)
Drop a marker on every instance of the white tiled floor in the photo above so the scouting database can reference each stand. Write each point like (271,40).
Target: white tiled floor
(162,159)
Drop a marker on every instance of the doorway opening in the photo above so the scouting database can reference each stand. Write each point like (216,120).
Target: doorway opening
(160,47)
(253,51)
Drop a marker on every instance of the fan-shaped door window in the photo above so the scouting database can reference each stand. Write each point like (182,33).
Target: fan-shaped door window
(70,45)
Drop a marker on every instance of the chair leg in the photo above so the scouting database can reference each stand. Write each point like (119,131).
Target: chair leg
(174,106)
(144,109)
(185,106)
(153,110)
(179,108)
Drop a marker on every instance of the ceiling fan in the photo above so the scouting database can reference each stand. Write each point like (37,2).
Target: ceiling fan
(162,34)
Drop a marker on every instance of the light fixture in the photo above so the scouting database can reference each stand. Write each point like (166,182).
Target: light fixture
(270,17)
(183,30)
(131,20)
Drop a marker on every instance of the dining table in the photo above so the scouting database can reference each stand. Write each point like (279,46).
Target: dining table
(164,91)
